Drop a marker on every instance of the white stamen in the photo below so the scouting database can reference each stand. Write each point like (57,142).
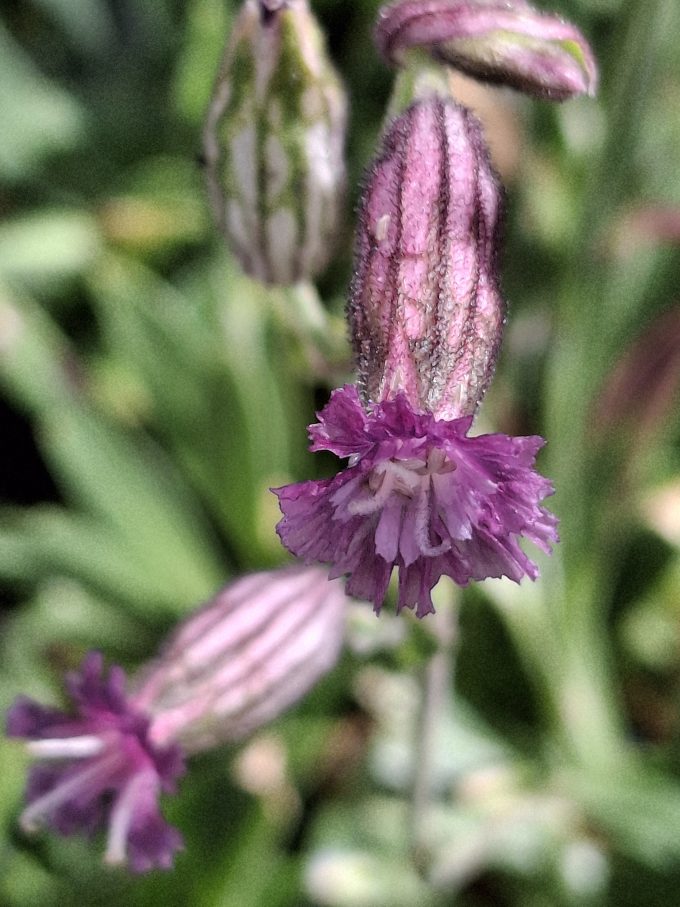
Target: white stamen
(66,747)
(437,462)
(121,818)
(422,527)
(378,500)
(407,482)
(31,817)
(387,477)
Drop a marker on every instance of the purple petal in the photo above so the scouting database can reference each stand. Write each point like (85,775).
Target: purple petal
(342,425)
(461,515)
(99,752)
(150,842)
(27,718)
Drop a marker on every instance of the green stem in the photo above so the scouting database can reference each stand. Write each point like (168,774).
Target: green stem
(435,688)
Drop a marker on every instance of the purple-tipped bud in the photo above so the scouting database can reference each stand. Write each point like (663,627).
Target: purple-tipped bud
(425,310)
(504,41)
(244,658)
(274,143)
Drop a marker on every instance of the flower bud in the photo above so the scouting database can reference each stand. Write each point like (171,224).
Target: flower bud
(273,143)
(425,308)
(243,659)
(504,41)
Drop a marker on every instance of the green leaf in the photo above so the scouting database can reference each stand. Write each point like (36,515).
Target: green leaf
(49,245)
(132,487)
(44,541)
(88,23)
(37,116)
(37,364)
(203,352)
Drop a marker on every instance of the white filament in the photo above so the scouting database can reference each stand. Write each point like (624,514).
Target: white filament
(121,817)
(413,479)
(31,817)
(380,498)
(423,512)
(66,747)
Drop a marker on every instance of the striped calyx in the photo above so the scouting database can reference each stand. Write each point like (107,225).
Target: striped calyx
(425,308)
(274,143)
(504,41)
(244,658)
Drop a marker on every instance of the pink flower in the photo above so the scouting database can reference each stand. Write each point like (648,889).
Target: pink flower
(419,495)
(99,766)
(231,667)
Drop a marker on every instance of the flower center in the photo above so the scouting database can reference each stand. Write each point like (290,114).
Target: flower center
(412,481)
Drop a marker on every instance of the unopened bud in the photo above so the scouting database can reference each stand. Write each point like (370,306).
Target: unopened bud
(244,658)
(274,143)
(504,41)
(425,309)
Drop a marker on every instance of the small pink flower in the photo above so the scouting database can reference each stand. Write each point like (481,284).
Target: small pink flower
(231,667)
(420,495)
(99,766)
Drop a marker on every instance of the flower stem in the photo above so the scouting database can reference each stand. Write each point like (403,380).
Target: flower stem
(436,681)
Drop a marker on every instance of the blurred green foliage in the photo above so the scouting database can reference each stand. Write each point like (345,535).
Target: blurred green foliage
(165,393)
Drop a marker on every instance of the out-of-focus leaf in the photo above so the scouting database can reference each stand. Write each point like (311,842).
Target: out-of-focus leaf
(88,23)
(51,245)
(56,627)
(128,483)
(258,844)
(37,365)
(23,881)
(124,480)
(203,351)
(639,809)
(207,28)
(161,206)
(131,486)
(44,541)
(37,116)
(66,611)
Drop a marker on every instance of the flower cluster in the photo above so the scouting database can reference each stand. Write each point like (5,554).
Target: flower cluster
(419,492)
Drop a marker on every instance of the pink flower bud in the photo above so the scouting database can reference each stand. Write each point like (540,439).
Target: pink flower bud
(505,41)
(257,648)
(425,309)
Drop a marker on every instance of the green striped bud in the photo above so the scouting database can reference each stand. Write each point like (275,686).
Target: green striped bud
(273,143)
